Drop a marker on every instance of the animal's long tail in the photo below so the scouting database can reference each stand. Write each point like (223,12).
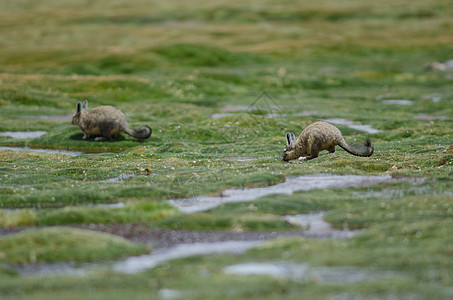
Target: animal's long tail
(142,133)
(360,149)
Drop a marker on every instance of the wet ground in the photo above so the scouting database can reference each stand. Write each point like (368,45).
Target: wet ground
(119,178)
(398,102)
(305,272)
(140,263)
(167,238)
(314,224)
(52,118)
(353,125)
(170,244)
(74,153)
(23,134)
(291,185)
(316,227)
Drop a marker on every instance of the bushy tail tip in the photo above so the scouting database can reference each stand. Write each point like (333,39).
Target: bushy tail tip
(142,133)
(368,149)
(360,149)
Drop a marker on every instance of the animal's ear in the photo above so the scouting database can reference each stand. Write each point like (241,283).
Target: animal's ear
(78,107)
(293,137)
(288,139)
(85,105)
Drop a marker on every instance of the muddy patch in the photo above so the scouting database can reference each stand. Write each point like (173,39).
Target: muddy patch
(305,273)
(167,238)
(23,134)
(73,153)
(291,185)
(354,125)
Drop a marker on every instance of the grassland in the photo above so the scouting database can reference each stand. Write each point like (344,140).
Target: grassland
(171,65)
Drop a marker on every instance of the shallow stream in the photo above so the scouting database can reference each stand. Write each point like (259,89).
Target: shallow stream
(291,185)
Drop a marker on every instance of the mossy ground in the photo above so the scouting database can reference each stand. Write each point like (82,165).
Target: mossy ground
(174,66)
(55,244)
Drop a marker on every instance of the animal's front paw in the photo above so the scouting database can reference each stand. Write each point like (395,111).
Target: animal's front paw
(303,158)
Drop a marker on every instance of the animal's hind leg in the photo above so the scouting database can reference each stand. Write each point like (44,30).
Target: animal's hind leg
(313,152)
(331,149)
(105,135)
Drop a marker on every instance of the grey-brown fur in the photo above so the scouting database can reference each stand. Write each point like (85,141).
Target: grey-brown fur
(319,136)
(105,122)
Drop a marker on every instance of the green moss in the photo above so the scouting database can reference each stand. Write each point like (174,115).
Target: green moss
(299,202)
(23,217)
(171,69)
(364,165)
(64,244)
(140,212)
(207,221)
(204,55)
(379,211)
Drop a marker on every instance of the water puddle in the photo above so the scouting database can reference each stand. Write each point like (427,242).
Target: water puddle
(249,158)
(168,294)
(119,178)
(140,263)
(398,102)
(116,205)
(317,227)
(221,115)
(23,134)
(230,110)
(433,97)
(400,193)
(306,113)
(291,185)
(240,158)
(233,108)
(51,118)
(73,153)
(353,125)
(54,269)
(429,117)
(136,264)
(306,273)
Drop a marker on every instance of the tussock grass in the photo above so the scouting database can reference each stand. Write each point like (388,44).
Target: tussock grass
(173,66)
(64,244)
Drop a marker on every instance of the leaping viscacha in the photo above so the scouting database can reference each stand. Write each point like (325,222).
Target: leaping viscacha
(319,136)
